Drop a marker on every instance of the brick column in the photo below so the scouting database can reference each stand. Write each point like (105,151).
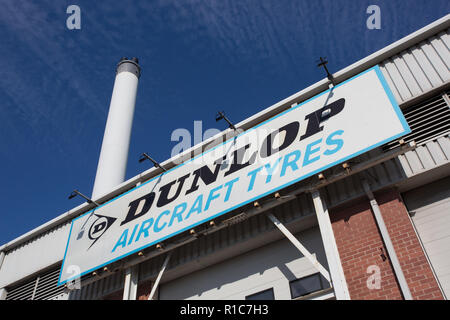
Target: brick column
(360,246)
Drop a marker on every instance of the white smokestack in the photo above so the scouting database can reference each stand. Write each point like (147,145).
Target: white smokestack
(116,140)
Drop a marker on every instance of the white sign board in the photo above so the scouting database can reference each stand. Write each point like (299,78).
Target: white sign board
(334,126)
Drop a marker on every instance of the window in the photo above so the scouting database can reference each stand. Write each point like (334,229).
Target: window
(262,295)
(306,285)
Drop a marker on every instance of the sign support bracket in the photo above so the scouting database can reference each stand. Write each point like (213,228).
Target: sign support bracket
(300,247)
(163,268)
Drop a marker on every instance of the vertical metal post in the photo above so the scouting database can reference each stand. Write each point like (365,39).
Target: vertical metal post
(131,283)
(331,251)
(163,268)
(300,247)
(387,242)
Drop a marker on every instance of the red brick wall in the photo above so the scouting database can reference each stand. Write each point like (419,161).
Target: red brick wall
(360,245)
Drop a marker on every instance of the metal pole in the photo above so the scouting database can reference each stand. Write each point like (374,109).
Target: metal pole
(299,246)
(116,140)
(163,268)
(131,283)
(331,251)
(387,242)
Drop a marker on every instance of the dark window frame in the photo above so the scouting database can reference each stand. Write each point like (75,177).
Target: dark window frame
(260,292)
(323,284)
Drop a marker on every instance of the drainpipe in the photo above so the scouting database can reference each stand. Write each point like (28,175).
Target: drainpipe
(387,242)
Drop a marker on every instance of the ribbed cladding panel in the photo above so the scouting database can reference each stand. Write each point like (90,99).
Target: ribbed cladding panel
(427,120)
(426,156)
(22,292)
(47,288)
(100,288)
(420,68)
(41,287)
(430,125)
(34,255)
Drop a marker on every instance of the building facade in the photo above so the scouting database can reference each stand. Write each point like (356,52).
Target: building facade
(389,210)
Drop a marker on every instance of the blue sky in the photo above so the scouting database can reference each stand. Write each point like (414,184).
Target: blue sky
(197,57)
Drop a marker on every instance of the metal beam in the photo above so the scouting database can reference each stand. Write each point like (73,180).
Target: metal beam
(131,282)
(387,242)
(331,251)
(299,246)
(163,268)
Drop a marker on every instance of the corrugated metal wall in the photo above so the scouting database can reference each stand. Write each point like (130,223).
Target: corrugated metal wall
(420,68)
(34,255)
(429,155)
(430,125)
(41,287)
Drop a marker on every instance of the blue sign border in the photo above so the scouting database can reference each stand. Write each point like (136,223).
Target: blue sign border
(394,104)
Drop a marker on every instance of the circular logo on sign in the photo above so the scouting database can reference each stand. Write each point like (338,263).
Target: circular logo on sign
(98,228)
